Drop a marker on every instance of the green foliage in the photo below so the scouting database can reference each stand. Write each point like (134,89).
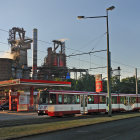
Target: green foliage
(104,86)
(128,85)
(115,85)
(85,83)
(57,79)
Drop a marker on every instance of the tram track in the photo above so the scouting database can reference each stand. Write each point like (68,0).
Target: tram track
(10,123)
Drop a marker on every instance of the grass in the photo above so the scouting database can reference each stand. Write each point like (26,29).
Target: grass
(26,130)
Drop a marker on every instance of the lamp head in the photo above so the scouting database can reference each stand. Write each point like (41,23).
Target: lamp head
(110,8)
(81,17)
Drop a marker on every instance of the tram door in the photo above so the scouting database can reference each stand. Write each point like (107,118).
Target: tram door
(83,100)
(128,107)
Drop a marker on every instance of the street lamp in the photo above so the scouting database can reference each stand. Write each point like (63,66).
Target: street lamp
(108,58)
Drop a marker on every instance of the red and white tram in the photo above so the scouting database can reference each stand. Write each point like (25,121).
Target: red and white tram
(60,102)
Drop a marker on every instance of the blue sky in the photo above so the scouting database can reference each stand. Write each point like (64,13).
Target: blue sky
(56,19)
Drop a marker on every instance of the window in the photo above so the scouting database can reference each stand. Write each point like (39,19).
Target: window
(102,99)
(123,100)
(52,98)
(90,99)
(114,99)
(132,100)
(65,99)
(77,99)
(43,98)
(71,99)
(59,99)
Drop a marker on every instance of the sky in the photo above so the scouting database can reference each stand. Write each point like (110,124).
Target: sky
(57,19)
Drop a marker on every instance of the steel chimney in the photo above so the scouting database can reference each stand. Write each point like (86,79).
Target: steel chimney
(34,57)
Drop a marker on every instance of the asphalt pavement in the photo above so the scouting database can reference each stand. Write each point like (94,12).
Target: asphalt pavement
(13,115)
(127,129)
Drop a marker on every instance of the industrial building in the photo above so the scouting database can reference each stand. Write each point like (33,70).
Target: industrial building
(15,66)
(54,63)
(15,72)
(15,69)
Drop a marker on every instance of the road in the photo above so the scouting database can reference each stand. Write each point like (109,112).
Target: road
(7,115)
(10,118)
(128,129)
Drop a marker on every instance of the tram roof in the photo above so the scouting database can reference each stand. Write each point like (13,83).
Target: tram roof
(27,83)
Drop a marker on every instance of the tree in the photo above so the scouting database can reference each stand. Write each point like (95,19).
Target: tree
(128,85)
(115,85)
(85,83)
(104,86)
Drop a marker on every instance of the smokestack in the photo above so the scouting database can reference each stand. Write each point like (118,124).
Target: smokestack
(34,65)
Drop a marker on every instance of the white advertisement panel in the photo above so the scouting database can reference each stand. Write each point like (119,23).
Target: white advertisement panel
(23,99)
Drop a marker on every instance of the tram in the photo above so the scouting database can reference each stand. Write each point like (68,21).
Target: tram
(62,102)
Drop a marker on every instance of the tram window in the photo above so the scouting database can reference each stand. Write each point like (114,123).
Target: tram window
(52,98)
(114,99)
(77,99)
(123,100)
(102,100)
(59,99)
(43,98)
(90,99)
(132,100)
(71,99)
(65,99)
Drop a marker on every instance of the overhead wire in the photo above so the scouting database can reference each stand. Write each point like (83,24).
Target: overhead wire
(93,40)
(75,49)
(4,30)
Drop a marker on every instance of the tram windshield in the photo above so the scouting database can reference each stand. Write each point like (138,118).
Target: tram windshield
(44,96)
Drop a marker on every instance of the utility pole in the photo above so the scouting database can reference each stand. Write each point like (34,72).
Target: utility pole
(136,80)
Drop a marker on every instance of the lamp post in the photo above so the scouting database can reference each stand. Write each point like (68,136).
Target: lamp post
(108,59)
